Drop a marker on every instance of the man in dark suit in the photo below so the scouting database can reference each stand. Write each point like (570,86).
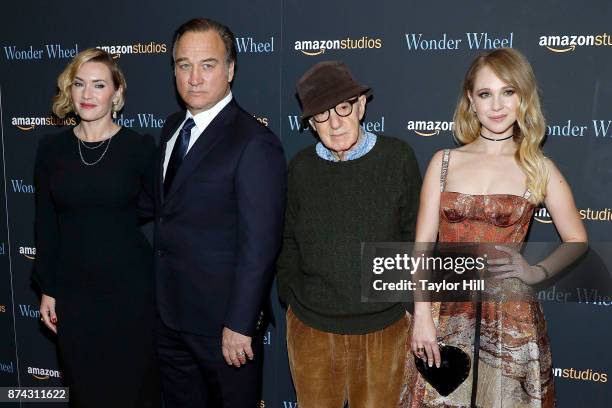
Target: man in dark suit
(219,212)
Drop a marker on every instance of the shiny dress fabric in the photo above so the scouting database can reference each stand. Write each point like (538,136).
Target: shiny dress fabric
(515,367)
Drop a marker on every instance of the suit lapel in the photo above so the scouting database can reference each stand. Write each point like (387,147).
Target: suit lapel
(164,141)
(213,133)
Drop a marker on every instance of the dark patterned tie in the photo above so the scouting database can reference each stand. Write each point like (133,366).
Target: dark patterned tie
(178,153)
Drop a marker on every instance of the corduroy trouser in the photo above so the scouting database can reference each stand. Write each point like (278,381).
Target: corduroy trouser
(365,370)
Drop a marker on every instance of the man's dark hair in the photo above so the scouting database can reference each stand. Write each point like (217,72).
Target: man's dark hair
(205,24)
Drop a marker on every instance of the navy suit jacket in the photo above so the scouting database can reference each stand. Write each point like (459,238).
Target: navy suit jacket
(218,231)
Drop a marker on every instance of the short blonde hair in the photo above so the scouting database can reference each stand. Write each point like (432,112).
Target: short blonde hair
(529,130)
(62,102)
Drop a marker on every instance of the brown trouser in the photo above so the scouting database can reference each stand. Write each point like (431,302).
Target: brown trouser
(328,369)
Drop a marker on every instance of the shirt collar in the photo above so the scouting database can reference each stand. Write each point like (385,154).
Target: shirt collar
(203,119)
(363,147)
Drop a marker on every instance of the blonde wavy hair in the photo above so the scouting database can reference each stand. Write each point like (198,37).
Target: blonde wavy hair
(529,129)
(62,102)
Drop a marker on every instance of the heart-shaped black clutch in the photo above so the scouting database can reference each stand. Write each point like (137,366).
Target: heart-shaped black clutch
(454,369)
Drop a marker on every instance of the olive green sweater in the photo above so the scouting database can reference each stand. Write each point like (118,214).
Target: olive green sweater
(332,208)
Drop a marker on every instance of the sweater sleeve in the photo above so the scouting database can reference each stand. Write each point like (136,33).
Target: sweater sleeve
(288,262)
(46,227)
(410,201)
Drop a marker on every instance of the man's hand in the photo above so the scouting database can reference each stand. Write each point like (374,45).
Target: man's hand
(236,347)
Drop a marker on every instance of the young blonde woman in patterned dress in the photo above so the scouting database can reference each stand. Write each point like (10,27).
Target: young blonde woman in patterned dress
(486,191)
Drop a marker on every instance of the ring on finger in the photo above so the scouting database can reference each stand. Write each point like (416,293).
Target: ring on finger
(241,353)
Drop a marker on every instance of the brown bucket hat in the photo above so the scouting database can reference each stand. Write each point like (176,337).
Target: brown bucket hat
(325,85)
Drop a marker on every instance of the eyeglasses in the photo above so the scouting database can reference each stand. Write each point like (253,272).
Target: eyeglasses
(342,109)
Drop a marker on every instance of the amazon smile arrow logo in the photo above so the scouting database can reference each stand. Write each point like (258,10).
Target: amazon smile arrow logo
(572,48)
(321,51)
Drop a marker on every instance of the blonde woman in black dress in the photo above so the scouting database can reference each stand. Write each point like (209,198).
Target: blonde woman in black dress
(94,266)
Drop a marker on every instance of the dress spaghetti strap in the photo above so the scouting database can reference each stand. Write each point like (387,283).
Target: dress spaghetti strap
(444,170)
(527,194)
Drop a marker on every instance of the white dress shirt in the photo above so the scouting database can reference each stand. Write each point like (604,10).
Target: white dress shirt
(202,120)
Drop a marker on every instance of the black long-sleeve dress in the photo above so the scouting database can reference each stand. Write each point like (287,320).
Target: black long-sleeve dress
(94,260)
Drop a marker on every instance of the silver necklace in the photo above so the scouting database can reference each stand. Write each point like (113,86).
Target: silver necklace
(91,147)
(80,142)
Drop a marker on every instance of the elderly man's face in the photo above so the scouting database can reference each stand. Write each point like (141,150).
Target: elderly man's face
(340,134)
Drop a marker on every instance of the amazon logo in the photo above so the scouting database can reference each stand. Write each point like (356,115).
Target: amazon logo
(567,43)
(427,128)
(43,373)
(542,215)
(28,252)
(318,47)
(31,122)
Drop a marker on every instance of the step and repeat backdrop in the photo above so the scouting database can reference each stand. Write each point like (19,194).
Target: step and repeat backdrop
(413,54)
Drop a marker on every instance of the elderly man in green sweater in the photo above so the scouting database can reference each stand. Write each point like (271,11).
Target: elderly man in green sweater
(351,187)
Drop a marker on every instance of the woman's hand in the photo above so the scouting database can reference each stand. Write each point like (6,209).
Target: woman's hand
(424,340)
(47,312)
(515,266)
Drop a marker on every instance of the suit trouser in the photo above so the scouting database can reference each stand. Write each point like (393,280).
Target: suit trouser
(195,374)
(365,370)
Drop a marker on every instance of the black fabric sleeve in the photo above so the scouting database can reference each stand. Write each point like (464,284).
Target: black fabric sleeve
(261,211)
(46,225)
